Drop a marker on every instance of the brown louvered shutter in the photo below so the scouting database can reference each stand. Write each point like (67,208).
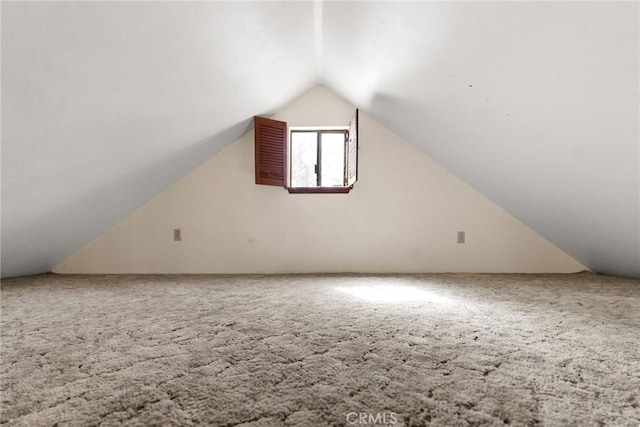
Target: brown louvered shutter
(270,151)
(352,151)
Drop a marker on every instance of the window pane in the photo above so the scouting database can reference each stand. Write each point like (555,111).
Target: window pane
(332,173)
(304,152)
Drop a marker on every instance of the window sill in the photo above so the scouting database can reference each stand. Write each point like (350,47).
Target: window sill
(319,190)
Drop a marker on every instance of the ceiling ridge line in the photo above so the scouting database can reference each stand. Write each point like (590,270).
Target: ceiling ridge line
(318,11)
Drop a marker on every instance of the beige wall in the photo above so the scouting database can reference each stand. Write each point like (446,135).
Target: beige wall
(402,216)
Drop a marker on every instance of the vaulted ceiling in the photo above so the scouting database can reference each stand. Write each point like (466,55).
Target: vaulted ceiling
(106,104)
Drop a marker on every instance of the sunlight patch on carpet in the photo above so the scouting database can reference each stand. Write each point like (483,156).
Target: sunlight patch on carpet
(394,294)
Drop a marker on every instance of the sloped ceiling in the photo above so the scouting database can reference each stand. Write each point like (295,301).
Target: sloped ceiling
(106,104)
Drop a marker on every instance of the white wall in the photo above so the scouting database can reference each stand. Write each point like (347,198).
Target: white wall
(536,104)
(107,104)
(402,216)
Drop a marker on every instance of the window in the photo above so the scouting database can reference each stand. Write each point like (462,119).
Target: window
(318,158)
(306,160)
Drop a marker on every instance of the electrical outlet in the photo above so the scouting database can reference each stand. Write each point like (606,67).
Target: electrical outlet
(177,234)
(461,236)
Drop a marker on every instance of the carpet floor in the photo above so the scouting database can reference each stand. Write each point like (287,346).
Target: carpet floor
(316,350)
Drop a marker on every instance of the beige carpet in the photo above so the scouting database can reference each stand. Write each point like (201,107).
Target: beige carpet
(321,350)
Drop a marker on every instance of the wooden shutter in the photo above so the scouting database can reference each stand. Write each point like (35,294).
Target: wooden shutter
(352,151)
(270,151)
